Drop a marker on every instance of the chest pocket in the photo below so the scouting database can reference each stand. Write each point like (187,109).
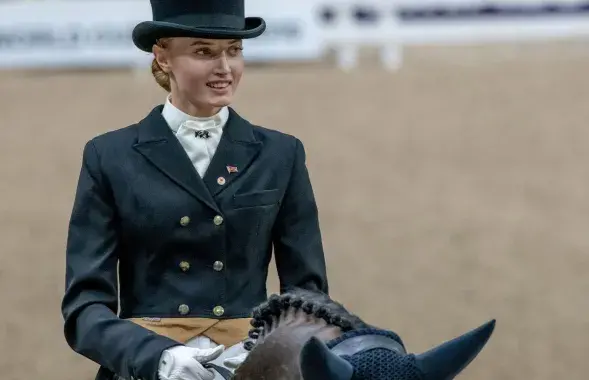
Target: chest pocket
(257,199)
(257,210)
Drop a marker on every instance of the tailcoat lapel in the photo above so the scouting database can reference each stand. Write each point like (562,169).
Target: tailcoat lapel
(237,149)
(157,143)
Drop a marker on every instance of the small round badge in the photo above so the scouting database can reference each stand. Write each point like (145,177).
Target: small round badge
(221,181)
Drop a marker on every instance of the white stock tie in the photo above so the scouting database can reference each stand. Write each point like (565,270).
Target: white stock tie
(200,150)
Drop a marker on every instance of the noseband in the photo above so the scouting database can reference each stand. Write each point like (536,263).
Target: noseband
(357,344)
(348,347)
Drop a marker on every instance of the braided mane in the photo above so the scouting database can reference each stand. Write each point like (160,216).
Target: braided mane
(282,325)
(316,306)
(293,336)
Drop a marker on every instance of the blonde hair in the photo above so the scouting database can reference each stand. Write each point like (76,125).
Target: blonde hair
(161,77)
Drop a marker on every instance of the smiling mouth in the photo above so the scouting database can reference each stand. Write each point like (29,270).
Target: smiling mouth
(219,85)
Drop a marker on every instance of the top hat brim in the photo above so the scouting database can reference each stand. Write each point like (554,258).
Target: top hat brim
(146,33)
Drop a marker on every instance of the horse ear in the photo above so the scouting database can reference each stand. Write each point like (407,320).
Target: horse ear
(319,363)
(447,360)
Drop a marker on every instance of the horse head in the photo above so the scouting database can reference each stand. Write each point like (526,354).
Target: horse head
(304,335)
(387,360)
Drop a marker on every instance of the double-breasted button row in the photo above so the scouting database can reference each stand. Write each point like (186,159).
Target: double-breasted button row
(217,310)
(217,266)
(185,220)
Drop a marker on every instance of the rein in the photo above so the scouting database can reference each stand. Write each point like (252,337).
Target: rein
(224,372)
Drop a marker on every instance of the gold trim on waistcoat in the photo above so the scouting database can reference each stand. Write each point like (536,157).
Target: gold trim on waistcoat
(227,332)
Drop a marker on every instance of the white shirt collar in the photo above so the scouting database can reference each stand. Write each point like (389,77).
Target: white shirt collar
(174,117)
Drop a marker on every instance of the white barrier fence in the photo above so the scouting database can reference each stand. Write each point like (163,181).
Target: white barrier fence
(97,33)
(391,25)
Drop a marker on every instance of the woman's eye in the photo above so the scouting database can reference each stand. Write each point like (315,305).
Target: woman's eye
(235,50)
(203,51)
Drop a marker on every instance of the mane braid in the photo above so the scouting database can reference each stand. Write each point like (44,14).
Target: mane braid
(314,304)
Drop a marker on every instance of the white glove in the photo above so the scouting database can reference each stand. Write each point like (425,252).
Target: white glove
(184,363)
(235,361)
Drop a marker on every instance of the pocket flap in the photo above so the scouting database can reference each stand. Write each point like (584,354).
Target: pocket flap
(257,198)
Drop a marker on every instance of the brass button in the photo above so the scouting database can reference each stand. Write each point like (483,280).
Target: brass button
(221,181)
(184,265)
(218,311)
(218,266)
(218,219)
(183,309)
(184,221)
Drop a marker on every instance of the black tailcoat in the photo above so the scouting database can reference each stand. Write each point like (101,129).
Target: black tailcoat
(185,246)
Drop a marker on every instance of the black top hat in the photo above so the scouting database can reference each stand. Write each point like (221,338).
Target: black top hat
(219,19)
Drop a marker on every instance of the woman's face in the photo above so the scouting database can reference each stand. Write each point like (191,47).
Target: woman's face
(204,73)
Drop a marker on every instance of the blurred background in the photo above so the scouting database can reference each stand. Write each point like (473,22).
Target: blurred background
(447,144)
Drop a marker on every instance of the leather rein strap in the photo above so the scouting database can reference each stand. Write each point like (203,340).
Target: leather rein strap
(224,372)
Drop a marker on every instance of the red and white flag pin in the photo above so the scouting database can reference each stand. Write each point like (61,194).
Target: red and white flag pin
(232,169)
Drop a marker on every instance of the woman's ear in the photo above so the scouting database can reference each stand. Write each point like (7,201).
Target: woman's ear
(162,58)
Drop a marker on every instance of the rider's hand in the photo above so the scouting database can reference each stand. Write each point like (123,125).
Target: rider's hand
(184,363)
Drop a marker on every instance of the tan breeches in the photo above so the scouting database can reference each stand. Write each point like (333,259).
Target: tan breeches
(227,332)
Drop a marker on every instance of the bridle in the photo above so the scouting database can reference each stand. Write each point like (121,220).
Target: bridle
(360,343)
(348,347)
